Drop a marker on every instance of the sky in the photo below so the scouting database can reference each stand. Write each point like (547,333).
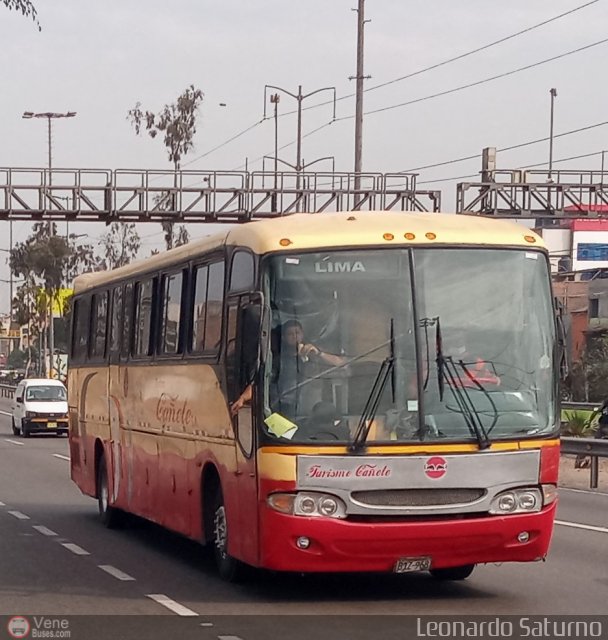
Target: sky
(100,59)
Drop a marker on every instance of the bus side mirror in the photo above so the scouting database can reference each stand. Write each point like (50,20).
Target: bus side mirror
(562,341)
(251,331)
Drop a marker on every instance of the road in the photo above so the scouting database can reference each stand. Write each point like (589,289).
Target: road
(56,559)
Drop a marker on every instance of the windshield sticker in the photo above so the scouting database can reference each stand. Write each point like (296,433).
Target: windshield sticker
(292,260)
(280,426)
(531,256)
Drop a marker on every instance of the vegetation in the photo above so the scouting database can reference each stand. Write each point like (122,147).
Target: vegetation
(588,378)
(48,263)
(177,124)
(120,245)
(26,7)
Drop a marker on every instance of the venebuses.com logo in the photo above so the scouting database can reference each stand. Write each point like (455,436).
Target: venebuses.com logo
(18,627)
(38,627)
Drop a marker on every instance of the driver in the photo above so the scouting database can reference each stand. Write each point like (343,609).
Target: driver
(291,367)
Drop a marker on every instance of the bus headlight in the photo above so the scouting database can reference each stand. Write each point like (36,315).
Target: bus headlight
(308,503)
(525,500)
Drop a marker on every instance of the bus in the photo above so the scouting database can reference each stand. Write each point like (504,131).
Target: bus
(335,392)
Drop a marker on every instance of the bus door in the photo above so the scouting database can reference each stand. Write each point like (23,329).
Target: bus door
(238,377)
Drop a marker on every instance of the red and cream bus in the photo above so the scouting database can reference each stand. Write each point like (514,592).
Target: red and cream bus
(366,391)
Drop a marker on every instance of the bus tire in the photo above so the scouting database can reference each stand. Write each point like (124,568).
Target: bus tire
(109,516)
(229,568)
(16,431)
(453,573)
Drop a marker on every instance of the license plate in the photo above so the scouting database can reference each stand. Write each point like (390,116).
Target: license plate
(51,425)
(405,565)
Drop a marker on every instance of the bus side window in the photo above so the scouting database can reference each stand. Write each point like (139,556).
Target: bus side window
(170,320)
(143,317)
(116,322)
(99,325)
(80,329)
(127,325)
(242,271)
(207,308)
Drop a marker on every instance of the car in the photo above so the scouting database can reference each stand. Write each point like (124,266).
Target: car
(40,405)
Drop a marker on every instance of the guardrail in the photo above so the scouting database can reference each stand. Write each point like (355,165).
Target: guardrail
(7,391)
(596,448)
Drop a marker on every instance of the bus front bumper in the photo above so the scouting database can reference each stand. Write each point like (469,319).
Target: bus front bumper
(343,546)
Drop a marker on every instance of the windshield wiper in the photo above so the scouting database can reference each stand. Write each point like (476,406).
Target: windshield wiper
(446,371)
(478,384)
(371,404)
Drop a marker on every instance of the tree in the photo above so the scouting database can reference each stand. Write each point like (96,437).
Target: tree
(177,123)
(120,245)
(26,7)
(47,262)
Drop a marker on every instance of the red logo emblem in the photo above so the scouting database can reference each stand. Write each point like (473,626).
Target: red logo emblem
(436,467)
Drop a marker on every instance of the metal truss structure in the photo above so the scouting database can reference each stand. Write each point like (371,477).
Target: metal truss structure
(530,194)
(134,195)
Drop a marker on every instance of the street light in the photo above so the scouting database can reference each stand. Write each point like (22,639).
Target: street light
(50,116)
(553,93)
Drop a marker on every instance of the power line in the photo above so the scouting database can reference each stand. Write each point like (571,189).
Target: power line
(461,56)
(226,142)
(459,88)
(510,148)
(527,166)
(285,146)
(479,82)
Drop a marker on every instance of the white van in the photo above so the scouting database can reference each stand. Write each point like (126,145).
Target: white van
(40,405)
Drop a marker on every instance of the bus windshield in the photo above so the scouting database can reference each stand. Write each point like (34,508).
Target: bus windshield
(419,344)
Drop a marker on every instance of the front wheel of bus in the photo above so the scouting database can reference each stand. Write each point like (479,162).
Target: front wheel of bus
(229,568)
(453,573)
(109,516)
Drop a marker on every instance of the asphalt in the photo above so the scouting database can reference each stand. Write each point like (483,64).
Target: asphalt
(40,575)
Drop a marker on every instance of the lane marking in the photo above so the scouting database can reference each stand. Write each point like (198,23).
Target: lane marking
(58,455)
(117,573)
(2,504)
(589,491)
(229,638)
(45,531)
(21,444)
(587,527)
(19,515)
(206,624)
(74,548)
(4,413)
(176,607)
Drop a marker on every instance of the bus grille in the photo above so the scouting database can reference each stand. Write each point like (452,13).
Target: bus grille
(417,497)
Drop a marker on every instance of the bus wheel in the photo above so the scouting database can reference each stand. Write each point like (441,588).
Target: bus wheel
(453,573)
(229,568)
(109,516)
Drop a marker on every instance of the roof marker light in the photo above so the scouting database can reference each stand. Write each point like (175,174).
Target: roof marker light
(409,236)
(285,242)
(430,235)
(529,238)
(388,236)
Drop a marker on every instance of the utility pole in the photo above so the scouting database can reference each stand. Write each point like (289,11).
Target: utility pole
(553,93)
(275,98)
(50,116)
(300,97)
(360,77)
